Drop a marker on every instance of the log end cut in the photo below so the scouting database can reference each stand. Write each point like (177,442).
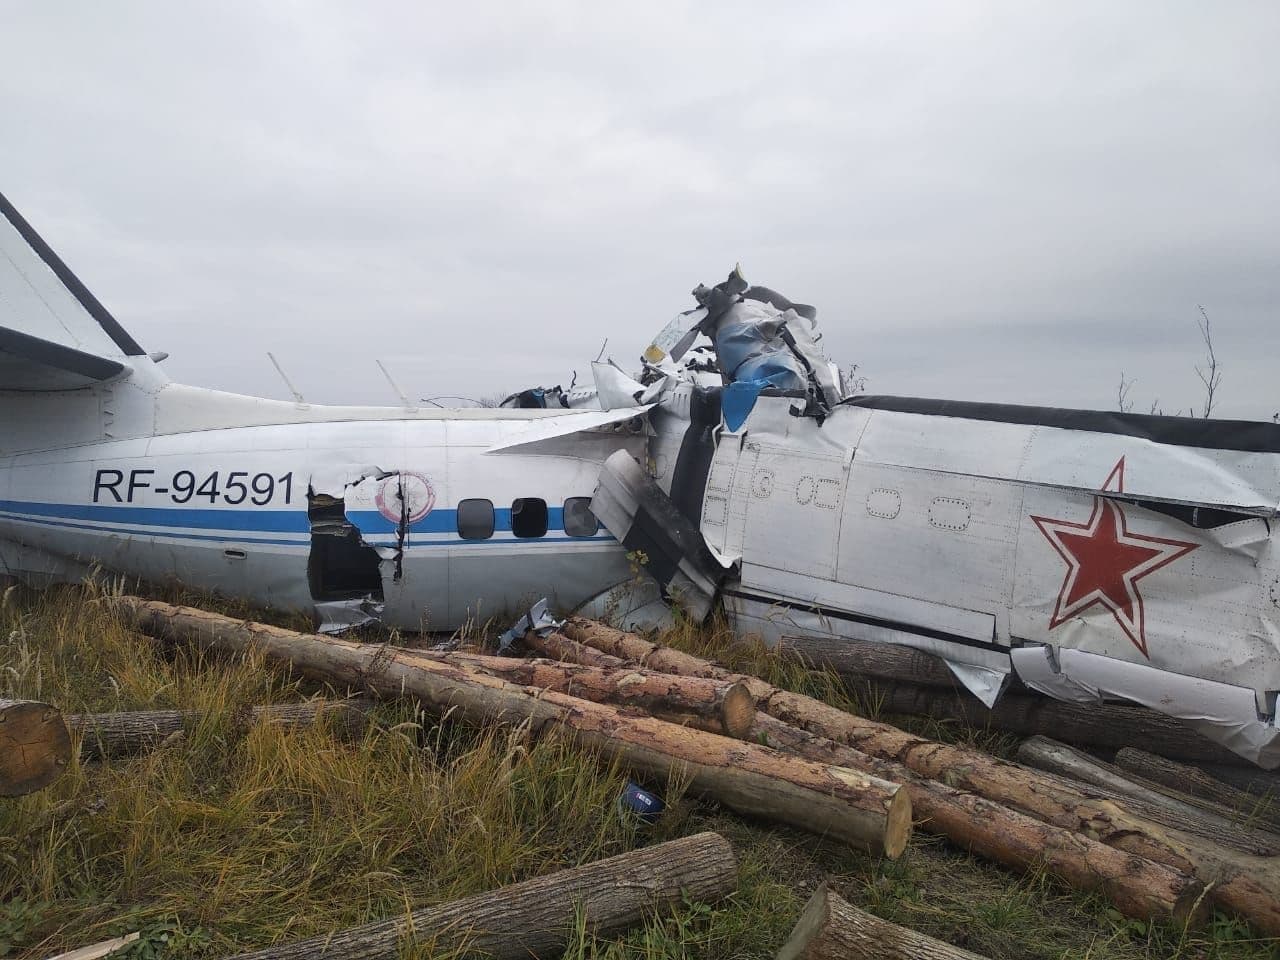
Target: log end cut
(832,929)
(738,712)
(897,825)
(897,832)
(35,746)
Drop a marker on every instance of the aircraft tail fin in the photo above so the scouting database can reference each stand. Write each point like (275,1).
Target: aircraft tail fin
(54,333)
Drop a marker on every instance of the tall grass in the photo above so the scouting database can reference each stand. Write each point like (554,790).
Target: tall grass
(229,838)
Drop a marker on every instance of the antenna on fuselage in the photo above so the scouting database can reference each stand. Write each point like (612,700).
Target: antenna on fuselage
(394,386)
(280,370)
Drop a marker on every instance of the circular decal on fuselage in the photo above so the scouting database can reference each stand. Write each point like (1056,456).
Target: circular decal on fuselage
(419,497)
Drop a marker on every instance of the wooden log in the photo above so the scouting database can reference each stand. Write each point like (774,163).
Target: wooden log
(1143,797)
(1139,888)
(1107,726)
(868,660)
(678,699)
(830,928)
(35,746)
(1194,781)
(1259,783)
(1248,885)
(556,646)
(848,805)
(107,735)
(536,918)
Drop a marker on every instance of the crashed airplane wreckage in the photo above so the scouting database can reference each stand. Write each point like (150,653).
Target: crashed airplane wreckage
(1092,555)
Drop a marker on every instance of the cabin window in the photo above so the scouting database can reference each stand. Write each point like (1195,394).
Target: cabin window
(579,521)
(529,517)
(475,519)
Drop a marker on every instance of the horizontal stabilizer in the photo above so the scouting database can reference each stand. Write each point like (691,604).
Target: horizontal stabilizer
(30,363)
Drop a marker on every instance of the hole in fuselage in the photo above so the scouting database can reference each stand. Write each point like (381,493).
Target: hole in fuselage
(341,565)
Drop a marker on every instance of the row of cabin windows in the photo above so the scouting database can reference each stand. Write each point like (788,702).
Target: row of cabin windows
(528,518)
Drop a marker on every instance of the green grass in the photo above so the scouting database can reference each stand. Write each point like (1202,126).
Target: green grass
(231,838)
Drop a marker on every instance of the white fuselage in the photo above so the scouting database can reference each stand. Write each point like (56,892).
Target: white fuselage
(325,506)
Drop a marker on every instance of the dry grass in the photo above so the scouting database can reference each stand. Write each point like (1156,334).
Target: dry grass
(230,838)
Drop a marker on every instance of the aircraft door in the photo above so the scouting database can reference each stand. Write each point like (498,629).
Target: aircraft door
(725,500)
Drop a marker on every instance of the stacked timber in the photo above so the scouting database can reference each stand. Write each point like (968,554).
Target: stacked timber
(902,680)
(941,787)
(1149,799)
(863,810)
(1246,883)
(772,753)
(1186,779)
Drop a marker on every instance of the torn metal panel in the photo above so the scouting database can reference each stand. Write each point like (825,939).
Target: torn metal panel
(635,604)
(649,525)
(763,341)
(616,390)
(983,682)
(337,616)
(519,436)
(1224,713)
(674,340)
(534,620)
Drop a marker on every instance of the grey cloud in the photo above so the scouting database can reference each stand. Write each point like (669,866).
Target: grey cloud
(990,201)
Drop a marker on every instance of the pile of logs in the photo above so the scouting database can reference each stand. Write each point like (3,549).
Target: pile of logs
(901,680)
(1122,830)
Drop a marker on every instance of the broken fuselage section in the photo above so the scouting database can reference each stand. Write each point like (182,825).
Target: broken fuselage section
(1093,555)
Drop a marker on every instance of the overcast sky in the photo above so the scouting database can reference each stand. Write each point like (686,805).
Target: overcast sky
(1010,201)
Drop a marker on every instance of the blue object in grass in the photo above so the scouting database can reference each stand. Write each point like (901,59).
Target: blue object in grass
(640,803)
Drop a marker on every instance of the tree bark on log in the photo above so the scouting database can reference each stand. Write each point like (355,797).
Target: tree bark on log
(1248,885)
(1191,780)
(1145,799)
(867,660)
(35,746)
(557,646)
(1139,888)
(1252,780)
(1108,726)
(830,928)
(863,811)
(728,703)
(536,918)
(107,735)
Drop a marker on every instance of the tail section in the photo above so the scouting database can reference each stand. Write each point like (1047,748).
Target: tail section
(54,333)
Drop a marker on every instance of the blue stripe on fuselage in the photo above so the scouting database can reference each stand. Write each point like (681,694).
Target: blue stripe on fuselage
(224,524)
(260,520)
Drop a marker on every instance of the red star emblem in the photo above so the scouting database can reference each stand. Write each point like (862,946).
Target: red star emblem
(1105,561)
